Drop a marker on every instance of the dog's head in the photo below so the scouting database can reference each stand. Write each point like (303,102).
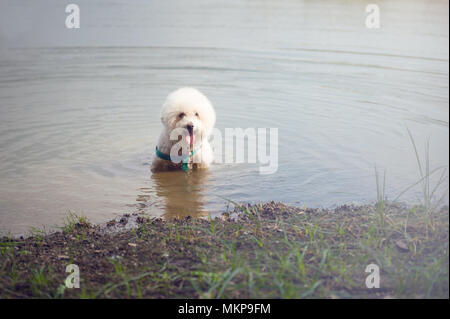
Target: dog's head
(187,108)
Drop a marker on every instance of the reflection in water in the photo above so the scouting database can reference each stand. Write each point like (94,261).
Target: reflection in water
(182,193)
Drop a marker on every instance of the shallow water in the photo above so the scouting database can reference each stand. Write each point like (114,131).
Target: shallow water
(79,109)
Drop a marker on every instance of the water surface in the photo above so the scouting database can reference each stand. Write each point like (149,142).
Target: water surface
(79,109)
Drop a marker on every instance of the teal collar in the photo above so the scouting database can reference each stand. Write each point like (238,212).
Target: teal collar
(184,159)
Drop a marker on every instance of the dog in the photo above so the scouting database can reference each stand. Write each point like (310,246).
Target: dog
(188,118)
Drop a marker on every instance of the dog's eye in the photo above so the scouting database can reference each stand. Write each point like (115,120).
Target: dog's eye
(196,114)
(181,115)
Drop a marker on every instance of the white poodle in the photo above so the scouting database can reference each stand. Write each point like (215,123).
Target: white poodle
(188,118)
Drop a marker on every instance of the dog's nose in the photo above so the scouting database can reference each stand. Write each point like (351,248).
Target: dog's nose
(190,128)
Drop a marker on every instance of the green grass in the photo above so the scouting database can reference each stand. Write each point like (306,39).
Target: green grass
(428,201)
(271,251)
(72,221)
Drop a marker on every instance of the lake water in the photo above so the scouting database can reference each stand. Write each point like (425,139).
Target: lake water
(79,109)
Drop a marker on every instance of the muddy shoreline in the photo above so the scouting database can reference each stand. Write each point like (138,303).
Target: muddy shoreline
(267,250)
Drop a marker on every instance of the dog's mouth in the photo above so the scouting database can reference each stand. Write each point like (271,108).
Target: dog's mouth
(190,137)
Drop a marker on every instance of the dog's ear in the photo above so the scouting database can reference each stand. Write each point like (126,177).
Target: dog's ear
(164,119)
(168,119)
(164,116)
(209,116)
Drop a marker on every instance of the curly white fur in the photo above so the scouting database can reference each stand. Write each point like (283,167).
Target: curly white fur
(182,108)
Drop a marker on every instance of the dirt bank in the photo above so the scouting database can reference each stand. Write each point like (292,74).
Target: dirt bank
(262,251)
